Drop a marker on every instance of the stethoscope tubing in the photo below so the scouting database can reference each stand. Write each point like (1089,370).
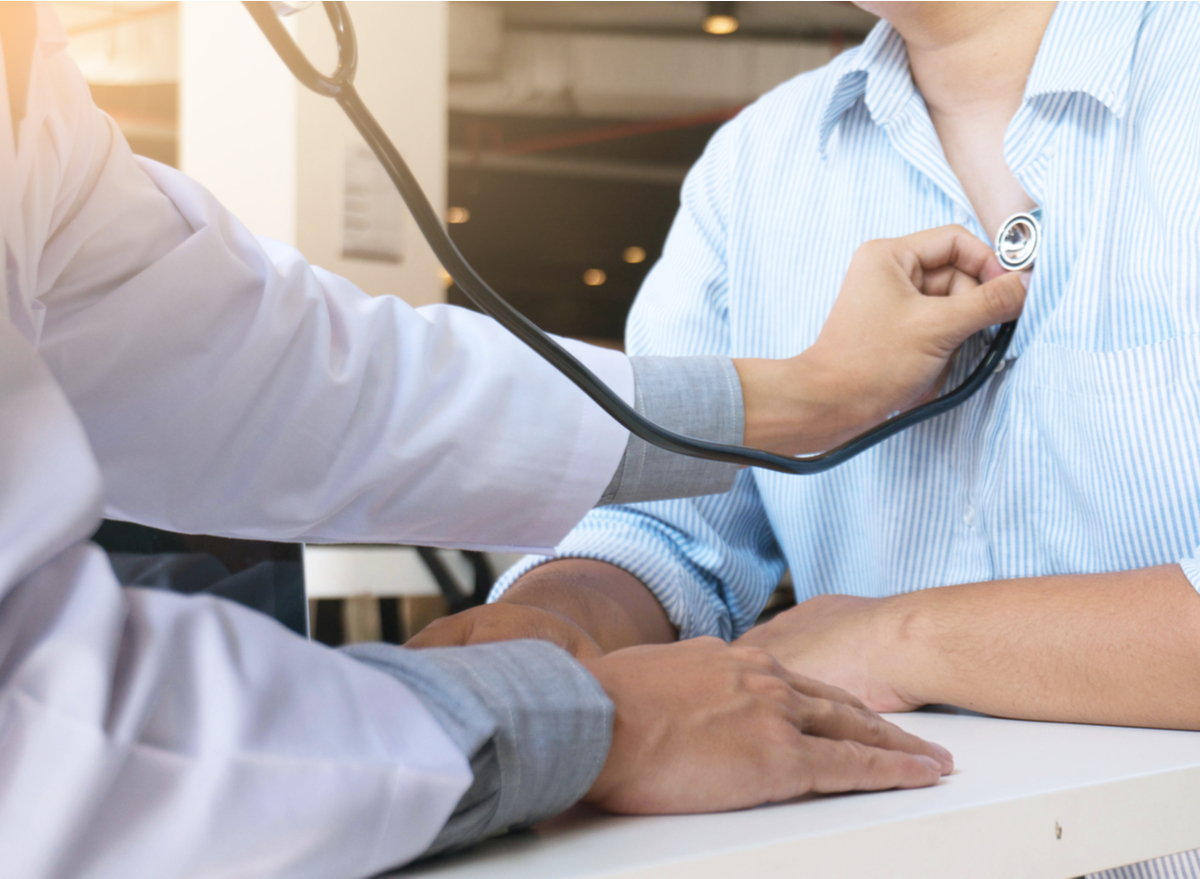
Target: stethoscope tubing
(340,86)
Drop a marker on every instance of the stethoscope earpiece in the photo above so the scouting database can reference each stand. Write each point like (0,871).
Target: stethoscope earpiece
(1018,240)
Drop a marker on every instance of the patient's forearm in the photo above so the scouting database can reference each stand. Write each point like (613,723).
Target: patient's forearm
(607,602)
(1121,648)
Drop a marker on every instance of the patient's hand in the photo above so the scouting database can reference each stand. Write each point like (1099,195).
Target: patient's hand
(905,307)
(843,640)
(506,622)
(585,606)
(702,726)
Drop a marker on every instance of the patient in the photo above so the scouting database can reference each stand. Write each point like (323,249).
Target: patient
(1058,509)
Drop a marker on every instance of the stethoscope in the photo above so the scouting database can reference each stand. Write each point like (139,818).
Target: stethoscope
(1016,247)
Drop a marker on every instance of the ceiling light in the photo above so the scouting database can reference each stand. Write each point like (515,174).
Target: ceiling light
(594,277)
(720,19)
(634,255)
(457,215)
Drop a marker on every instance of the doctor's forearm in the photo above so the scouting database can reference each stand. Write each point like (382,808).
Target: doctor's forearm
(1120,648)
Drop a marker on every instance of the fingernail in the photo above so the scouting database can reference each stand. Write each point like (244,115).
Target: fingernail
(945,756)
(1025,276)
(931,763)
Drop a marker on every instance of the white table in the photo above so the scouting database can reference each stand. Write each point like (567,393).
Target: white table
(1027,800)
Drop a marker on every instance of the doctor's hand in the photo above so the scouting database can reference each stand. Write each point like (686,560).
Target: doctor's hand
(843,640)
(905,307)
(702,726)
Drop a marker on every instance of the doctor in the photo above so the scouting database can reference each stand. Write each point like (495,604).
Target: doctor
(159,364)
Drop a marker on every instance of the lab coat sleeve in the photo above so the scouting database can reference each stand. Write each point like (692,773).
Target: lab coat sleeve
(228,387)
(149,734)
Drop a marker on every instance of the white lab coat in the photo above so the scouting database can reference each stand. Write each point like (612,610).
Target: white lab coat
(160,364)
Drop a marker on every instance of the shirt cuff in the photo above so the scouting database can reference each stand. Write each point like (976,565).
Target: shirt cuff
(534,723)
(700,397)
(1191,569)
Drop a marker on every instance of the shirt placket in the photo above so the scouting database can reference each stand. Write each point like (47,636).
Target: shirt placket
(911,133)
(1026,144)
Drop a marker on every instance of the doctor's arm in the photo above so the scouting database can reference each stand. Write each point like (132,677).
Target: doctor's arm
(228,387)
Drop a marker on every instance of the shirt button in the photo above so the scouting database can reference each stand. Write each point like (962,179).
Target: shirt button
(969,516)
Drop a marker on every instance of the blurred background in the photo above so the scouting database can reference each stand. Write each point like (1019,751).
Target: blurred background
(554,136)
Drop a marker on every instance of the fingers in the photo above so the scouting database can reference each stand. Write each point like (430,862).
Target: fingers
(841,722)
(765,661)
(998,301)
(947,281)
(818,709)
(820,690)
(825,766)
(947,246)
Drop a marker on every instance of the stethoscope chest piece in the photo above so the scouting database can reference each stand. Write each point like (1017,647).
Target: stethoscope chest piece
(1019,239)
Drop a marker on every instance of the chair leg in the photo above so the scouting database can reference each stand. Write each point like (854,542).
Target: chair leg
(329,627)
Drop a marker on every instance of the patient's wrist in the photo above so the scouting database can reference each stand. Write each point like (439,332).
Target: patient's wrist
(608,603)
(911,647)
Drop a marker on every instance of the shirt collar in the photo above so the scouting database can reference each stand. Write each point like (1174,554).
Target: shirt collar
(878,70)
(1088,47)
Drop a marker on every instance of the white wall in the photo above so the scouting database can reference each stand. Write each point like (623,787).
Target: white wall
(402,77)
(274,152)
(237,117)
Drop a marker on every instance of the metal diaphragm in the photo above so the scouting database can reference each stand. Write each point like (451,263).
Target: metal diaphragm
(1019,239)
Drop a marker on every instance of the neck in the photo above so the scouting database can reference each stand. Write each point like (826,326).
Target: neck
(970,55)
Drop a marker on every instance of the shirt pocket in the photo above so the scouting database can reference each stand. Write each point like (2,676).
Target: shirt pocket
(1112,456)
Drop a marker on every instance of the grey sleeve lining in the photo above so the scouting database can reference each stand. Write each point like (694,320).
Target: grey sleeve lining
(699,397)
(534,723)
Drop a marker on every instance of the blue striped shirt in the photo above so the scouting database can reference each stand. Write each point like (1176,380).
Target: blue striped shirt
(1080,455)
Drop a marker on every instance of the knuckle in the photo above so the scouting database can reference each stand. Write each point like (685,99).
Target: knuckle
(874,729)
(873,250)
(777,734)
(754,656)
(774,688)
(862,755)
(820,713)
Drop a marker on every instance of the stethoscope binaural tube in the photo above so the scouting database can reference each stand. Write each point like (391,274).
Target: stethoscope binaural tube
(340,86)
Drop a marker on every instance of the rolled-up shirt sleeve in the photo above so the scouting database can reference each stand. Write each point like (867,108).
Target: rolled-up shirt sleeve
(711,561)
(1191,568)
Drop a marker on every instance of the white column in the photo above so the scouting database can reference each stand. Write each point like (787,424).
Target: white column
(237,117)
(275,152)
